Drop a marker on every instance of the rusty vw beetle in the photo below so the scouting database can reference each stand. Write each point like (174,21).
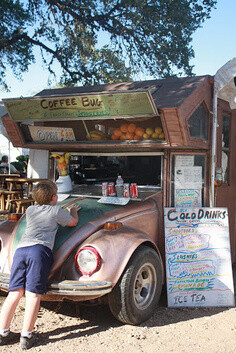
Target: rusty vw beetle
(111,254)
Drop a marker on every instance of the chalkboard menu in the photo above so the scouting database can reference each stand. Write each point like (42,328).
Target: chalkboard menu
(198,261)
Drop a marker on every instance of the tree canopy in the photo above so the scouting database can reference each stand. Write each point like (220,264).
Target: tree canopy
(151,36)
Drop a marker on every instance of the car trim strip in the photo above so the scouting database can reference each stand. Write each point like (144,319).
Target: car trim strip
(68,287)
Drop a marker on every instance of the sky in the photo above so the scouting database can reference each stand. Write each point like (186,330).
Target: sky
(214,44)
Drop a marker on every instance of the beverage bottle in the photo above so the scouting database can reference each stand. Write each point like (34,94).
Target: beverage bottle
(119,186)
(119,180)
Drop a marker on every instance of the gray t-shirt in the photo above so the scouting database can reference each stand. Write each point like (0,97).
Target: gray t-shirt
(42,223)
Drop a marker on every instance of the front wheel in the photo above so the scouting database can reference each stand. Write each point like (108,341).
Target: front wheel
(138,291)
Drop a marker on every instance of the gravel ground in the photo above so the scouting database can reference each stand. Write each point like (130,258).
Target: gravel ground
(68,328)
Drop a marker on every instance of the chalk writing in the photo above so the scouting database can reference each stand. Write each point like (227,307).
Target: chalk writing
(198,264)
(191,269)
(191,242)
(122,104)
(194,298)
(188,197)
(190,284)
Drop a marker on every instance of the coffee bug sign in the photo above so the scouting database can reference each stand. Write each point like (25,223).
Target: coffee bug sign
(93,106)
(198,261)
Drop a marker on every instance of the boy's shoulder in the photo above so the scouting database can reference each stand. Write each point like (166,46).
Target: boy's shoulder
(42,208)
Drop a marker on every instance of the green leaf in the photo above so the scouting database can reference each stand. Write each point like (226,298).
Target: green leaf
(150,36)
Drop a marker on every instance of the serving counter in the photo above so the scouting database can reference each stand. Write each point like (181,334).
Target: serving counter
(95,191)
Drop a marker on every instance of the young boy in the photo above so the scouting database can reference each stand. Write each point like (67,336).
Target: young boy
(33,259)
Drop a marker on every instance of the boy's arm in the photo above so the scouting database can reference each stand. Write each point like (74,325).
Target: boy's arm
(75,218)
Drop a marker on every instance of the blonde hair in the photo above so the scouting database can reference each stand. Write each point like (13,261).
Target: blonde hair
(44,191)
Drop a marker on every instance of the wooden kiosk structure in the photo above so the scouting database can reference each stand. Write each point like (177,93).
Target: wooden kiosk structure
(181,110)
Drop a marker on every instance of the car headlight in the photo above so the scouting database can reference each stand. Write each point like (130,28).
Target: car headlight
(87,260)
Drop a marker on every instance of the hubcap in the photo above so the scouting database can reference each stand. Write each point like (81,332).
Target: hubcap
(144,286)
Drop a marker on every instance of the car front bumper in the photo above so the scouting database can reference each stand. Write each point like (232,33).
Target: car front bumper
(69,287)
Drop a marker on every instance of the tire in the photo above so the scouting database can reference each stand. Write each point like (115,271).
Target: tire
(135,296)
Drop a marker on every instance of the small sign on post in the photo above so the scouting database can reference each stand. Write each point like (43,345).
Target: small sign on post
(198,260)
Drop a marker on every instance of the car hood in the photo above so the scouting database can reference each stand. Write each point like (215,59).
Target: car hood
(92,216)
(90,209)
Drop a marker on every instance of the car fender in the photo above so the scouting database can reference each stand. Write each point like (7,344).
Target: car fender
(116,247)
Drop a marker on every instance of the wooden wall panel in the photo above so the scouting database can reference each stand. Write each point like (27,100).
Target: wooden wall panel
(13,131)
(226,194)
(204,93)
(174,127)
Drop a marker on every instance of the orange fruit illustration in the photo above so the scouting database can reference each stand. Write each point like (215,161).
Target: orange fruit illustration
(123,137)
(131,127)
(124,127)
(137,137)
(117,132)
(114,137)
(145,136)
(129,136)
(139,131)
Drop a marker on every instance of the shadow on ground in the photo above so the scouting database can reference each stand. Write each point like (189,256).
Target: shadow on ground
(95,319)
(100,315)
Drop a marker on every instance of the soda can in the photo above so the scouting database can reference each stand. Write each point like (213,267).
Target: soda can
(133,190)
(126,190)
(111,189)
(104,189)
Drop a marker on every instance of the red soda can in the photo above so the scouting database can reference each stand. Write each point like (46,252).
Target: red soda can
(111,189)
(104,189)
(133,190)
(126,190)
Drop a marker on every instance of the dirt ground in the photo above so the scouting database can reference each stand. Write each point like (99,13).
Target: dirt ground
(70,328)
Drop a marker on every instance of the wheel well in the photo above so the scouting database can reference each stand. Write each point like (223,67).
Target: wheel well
(146,244)
(149,244)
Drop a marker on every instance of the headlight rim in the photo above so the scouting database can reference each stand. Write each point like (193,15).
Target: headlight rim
(98,260)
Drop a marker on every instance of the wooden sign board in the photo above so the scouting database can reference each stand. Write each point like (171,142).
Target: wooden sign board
(51,134)
(93,106)
(198,260)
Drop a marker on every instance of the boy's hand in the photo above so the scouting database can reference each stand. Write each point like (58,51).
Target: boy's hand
(74,209)
(74,213)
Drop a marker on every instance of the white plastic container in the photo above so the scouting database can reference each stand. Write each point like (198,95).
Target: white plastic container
(64,184)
